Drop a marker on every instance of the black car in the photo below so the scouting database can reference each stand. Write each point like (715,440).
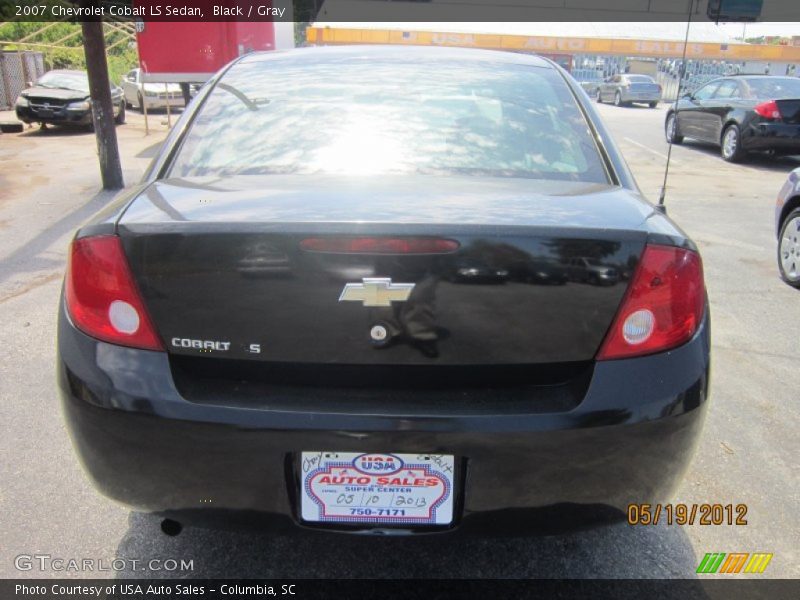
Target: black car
(741,114)
(61,97)
(363,390)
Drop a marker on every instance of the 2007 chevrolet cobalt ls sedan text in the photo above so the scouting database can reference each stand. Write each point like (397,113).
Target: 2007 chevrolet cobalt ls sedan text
(329,304)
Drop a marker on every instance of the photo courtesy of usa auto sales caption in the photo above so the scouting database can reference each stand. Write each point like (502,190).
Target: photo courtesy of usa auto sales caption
(442,306)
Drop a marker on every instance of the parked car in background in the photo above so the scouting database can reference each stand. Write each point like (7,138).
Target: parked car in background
(155,95)
(589,80)
(625,89)
(740,114)
(787,227)
(61,97)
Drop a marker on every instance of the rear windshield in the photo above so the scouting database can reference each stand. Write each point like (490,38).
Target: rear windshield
(640,79)
(774,88)
(352,116)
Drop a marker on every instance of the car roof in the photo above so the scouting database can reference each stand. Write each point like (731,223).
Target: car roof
(398,53)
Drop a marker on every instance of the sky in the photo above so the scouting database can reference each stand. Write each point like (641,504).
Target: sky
(758,29)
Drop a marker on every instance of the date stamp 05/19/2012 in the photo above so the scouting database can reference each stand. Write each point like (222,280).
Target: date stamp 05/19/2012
(687,514)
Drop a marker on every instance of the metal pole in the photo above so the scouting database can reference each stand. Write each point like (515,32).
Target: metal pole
(144,108)
(102,108)
(662,196)
(169,115)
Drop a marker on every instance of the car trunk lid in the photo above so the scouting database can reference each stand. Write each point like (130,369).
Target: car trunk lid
(790,110)
(532,272)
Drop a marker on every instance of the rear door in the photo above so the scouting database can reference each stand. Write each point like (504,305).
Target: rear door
(692,114)
(718,107)
(609,87)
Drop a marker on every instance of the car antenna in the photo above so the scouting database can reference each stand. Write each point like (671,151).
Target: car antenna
(661,207)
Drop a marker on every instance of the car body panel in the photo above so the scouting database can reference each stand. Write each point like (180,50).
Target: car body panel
(788,199)
(545,437)
(181,251)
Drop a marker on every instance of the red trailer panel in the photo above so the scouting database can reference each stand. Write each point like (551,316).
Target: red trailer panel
(193,51)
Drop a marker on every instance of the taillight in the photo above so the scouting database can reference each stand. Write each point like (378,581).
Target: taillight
(768,110)
(663,306)
(379,245)
(102,298)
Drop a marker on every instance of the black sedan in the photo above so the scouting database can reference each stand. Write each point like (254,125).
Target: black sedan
(61,97)
(740,114)
(362,389)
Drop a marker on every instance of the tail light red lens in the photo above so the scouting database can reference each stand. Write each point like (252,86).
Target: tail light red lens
(102,298)
(379,245)
(768,110)
(663,306)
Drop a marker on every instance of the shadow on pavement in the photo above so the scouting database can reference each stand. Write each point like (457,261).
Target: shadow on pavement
(150,151)
(619,551)
(755,160)
(28,257)
(56,131)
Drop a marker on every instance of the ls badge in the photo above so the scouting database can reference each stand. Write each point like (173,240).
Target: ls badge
(376,291)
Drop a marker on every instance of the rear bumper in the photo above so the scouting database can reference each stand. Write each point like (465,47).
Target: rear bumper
(640,96)
(629,441)
(772,136)
(154,103)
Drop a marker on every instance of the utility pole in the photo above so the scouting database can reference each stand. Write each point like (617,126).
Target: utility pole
(94,47)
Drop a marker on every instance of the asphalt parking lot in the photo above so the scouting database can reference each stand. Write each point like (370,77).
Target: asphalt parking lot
(49,184)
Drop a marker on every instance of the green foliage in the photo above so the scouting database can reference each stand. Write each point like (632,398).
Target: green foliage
(119,64)
(300,33)
(121,58)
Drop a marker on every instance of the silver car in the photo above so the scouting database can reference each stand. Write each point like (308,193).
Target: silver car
(623,90)
(787,226)
(156,95)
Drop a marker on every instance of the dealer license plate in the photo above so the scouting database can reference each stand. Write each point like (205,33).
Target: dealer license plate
(352,487)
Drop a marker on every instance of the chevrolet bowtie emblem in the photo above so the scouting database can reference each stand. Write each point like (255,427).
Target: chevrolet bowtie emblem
(376,291)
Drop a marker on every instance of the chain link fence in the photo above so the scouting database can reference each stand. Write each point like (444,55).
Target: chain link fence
(16,70)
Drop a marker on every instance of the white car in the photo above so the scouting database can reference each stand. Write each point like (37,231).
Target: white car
(156,95)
